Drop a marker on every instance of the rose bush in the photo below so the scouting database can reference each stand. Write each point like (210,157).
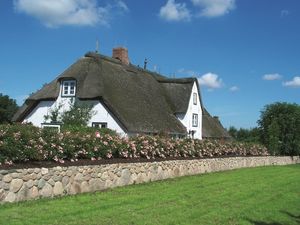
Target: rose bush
(21,143)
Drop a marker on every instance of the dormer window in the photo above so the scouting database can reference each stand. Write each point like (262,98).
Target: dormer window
(195,98)
(68,88)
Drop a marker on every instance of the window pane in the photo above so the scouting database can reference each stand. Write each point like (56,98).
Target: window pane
(195,98)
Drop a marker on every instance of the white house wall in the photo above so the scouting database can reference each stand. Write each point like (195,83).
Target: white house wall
(36,116)
(187,119)
(101,114)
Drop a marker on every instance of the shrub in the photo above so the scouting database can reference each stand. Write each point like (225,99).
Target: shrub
(21,143)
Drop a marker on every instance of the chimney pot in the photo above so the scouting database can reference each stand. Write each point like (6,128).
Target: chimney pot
(121,54)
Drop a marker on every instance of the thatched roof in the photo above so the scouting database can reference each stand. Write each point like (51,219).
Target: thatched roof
(141,101)
(212,127)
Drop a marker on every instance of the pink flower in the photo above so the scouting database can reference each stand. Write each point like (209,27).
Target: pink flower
(97,134)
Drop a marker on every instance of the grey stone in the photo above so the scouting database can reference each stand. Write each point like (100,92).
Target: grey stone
(46,190)
(87,177)
(29,183)
(37,170)
(51,182)
(7,178)
(94,175)
(65,180)
(57,178)
(69,173)
(23,193)
(96,184)
(3,172)
(47,176)
(2,194)
(4,185)
(15,185)
(105,176)
(58,189)
(15,175)
(33,192)
(125,177)
(75,188)
(58,168)
(44,171)
(26,177)
(41,183)
(84,187)
(33,176)
(78,177)
(11,197)
(30,170)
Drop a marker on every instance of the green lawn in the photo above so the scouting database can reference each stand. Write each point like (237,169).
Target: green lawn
(264,195)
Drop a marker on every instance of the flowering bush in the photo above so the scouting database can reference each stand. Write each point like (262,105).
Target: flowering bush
(21,143)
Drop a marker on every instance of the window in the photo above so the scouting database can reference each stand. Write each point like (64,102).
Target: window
(99,125)
(195,120)
(69,88)
(51,126)
(195,98)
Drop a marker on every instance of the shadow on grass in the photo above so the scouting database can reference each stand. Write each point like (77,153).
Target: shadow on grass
(296,218)
(263,223)
(292,216)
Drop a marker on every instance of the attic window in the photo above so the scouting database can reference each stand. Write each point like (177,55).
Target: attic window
(68,88)
(195,98)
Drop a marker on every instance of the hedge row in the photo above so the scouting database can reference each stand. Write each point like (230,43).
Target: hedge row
(21,143)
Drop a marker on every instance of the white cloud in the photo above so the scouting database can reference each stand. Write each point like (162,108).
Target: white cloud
(173,11)
(234,89)
(284,13)
(190,73)
(295,82)
(272,76)
(214,8)
(55,13)
(210,80)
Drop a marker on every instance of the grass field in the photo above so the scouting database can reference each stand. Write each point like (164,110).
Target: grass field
(261,196)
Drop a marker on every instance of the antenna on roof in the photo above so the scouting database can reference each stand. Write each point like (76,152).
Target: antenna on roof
(145,63)
(97,46)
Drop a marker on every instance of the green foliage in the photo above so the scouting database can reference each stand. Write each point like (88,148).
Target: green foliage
(86,129)
(78,115)
(279,125)
(251,135)
(54,115)
(8,107)
(21,143)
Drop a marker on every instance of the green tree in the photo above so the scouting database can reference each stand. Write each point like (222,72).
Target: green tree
(8,107)
(79,114)
(279,126)
(244,135)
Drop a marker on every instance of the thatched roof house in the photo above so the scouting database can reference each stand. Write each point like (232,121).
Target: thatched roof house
(126,98)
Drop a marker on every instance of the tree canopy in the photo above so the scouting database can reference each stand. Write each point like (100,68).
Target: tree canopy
(279,126)
(8,108)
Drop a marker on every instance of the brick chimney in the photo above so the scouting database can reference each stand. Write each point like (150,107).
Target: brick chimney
(121,54)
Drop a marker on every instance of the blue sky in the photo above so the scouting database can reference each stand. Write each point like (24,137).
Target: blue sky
(245,53)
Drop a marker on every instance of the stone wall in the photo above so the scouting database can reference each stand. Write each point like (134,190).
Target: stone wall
(24,184)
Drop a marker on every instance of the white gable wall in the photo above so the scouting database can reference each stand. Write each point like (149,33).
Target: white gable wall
(101,115)
(187,118)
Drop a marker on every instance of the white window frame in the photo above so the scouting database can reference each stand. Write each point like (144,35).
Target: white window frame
(195,120)
(68,88)
(195,98)
(99,124)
